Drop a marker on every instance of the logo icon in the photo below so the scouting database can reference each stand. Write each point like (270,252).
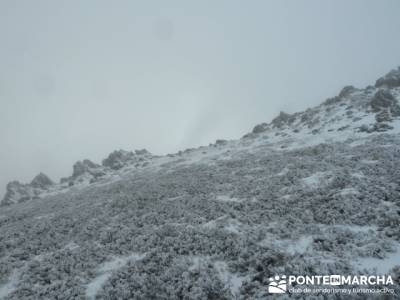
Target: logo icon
(335,279)
(277,285)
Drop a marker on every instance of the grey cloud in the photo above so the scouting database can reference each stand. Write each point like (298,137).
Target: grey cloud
(81,79)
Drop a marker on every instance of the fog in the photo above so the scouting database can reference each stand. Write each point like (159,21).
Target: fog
(79,79)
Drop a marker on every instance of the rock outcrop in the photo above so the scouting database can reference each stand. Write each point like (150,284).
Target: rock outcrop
(120,158)
(117,159)
(260,128)
(17,192)
(347,112)
(390,80)
(84,171)
(281,120)
(346,91)
(87,166)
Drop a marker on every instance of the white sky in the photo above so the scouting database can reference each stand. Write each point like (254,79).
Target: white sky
(79,79)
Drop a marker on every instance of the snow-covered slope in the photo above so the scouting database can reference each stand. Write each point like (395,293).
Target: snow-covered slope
(316,192)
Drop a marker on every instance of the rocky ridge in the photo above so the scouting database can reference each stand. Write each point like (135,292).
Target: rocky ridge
(84,172)
(349,114)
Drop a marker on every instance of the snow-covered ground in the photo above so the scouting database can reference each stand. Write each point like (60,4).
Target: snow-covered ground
(105,272)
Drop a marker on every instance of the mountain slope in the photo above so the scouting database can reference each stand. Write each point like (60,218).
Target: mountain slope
(316,192)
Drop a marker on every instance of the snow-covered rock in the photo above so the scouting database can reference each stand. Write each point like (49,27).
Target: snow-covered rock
(384,100)
(84,172)
(347,91)
(41,181)
(121,158)
(17,192)
(85,166)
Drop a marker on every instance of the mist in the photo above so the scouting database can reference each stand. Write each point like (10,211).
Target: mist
(81,79)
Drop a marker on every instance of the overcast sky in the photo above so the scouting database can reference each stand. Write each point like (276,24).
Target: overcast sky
(79,79)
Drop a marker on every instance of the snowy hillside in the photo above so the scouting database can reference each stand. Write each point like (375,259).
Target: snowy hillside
(315,192)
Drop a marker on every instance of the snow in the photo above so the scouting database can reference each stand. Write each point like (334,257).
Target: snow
(11,285)
(347,227)
(226,198)
(45,216)
(225,223)
(290,246)
(233,227)
(95,285)
(206,155)
(197,261)
(105,271)
(300,246)
(358,175)
(369,161)
(303,243)
(354,228)
(213,223)
(118,262)
(348,191)
(380,266)
(14,278)
(71,246)
(333,126)
(233,280)
(283,172)
(315,180)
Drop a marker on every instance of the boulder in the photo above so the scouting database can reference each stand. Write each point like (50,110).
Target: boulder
(333,100)
(41,181)
(346,91)
(260,128)
(85,166)
(221,142)
(142,152)
(281,120)
(118,159)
